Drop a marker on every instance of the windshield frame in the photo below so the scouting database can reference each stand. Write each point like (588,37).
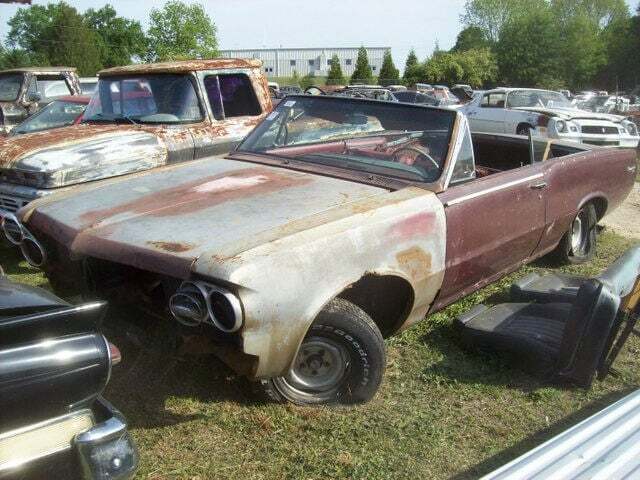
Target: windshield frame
(567,103)
(43,111)
(20,89)
(128,119)
(376,179)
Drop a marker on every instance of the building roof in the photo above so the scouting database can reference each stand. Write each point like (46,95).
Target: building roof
(182,66)
(40,70)
(295,49)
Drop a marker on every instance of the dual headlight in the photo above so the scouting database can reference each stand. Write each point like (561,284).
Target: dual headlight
(631,128)
(197,302)
(562,126)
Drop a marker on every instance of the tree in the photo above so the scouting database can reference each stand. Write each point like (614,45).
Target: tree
(528,51)
(308,81)
(389,74)
(413,70)
(73,43)
(491,15)
(479,67)
(335,76)
(444,68)
(121,39)
(362,73)
(584,51)
(470,38)
(179,30)
(600,12)
(295,78)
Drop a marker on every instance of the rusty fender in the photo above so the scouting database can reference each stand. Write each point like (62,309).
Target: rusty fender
(285,283)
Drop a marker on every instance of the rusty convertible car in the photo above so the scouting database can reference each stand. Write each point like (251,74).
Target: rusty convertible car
(141,117)
(336,223)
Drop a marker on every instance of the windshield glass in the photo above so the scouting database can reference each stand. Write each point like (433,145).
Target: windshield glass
(537,98)
(57,114)
(10,86)
(145,99)
(391,139)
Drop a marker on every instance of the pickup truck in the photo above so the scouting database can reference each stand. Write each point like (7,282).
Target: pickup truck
(140,117)
(335,223)
(24,91)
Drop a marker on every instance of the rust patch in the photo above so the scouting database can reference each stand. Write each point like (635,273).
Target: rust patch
(415,262)
(183,66)
(202,193)
(172,246)
(420,224)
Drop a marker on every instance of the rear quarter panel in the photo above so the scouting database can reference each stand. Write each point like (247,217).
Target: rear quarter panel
(602,175)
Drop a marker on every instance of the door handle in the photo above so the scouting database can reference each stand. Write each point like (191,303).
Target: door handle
(538,186)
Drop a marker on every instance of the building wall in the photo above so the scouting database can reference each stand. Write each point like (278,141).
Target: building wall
(282,62)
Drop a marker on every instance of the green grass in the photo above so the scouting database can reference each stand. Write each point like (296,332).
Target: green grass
(442,412)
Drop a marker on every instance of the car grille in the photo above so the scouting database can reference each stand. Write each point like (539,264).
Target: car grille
(594,129)
(11,204)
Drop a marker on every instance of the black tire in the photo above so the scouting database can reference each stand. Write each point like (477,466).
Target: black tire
(573,251)
(523,130)
(341,331)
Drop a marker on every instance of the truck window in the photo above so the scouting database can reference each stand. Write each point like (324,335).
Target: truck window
(49,86)
(231,95)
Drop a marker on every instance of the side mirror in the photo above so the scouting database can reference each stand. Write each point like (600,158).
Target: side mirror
(34,97)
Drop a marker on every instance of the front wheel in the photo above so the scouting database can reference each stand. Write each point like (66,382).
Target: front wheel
(578,245)
(341,360)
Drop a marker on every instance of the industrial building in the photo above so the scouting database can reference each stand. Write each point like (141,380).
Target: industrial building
(283,62)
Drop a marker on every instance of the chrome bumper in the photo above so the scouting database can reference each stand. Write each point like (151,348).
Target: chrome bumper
(104,450)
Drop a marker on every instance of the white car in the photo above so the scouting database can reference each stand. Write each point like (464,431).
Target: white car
(547,114)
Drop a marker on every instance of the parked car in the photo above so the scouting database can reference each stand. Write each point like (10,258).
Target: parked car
(548,114)
(62,112)
(54,365)
(24,91)
(605,104)
(413,96)
(336,223)
(141,117)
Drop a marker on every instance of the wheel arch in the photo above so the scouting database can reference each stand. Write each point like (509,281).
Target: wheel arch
(599,201)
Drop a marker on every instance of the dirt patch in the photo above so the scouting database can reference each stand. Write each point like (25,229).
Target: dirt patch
(625,220)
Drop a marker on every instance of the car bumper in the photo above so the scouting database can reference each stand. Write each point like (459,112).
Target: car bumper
(626,141)
(103,449)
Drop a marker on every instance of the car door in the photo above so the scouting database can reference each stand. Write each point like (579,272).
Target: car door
(494,225)
(489,115)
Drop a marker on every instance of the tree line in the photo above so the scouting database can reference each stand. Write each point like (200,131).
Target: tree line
(57,34)
(575,44)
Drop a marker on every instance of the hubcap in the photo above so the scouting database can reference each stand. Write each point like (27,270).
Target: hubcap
(576,235)
(319,367)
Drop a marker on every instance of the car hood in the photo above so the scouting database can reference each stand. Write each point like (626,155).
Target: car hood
(84,152)
(573,114)
(164,220)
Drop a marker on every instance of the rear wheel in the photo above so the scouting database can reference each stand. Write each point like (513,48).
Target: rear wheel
(578,245)
(341,360)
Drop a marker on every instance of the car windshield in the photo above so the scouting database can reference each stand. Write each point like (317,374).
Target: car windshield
(145,99)
(10,86)
(397,140)
(58,113)
(537,98)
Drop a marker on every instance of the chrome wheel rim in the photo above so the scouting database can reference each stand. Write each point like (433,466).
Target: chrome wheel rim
(319,367)
(576,235)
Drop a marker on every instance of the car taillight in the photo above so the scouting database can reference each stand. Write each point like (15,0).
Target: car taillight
(543,121)
(114,354)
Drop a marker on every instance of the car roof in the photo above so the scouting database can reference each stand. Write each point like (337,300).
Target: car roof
(183,66)
(42,70)
(516,89)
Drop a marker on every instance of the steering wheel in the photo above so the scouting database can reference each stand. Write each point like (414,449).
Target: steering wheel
(409,155)
(313,90)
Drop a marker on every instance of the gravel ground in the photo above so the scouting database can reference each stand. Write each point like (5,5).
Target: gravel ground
(625,220)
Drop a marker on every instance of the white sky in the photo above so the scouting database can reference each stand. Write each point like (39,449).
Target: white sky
(399,24)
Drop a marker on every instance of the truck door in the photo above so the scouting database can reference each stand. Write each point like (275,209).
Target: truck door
(235,111)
